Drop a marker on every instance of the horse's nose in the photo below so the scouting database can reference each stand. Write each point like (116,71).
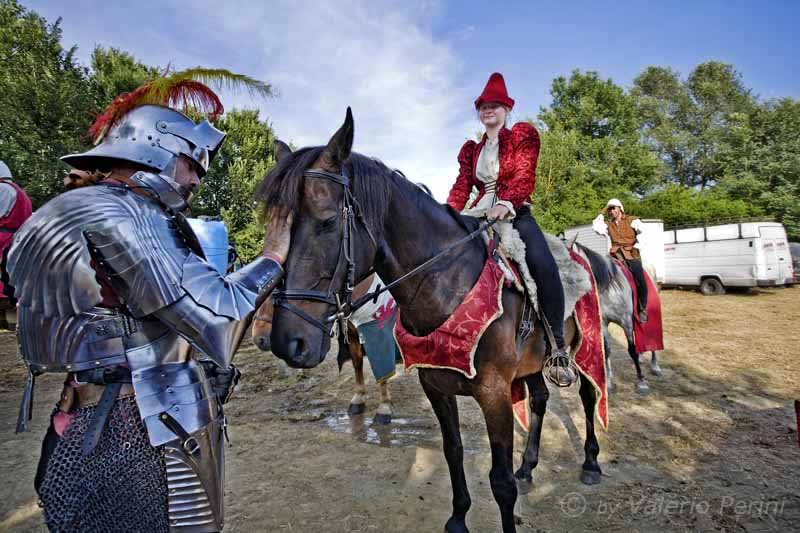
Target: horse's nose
(262,341)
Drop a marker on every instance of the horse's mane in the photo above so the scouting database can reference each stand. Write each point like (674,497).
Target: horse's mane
(373,183)
(604,269)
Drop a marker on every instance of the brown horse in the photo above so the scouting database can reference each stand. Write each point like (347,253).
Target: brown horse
(351,214)
(349,348)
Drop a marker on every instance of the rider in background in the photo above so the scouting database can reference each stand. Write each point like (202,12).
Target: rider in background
(15,208)
(502,167)
(622,230)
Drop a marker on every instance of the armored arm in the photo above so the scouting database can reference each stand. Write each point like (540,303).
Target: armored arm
(156,270)
(214,313)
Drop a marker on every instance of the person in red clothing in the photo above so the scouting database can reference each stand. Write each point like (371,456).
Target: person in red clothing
(502,167)
(15,208)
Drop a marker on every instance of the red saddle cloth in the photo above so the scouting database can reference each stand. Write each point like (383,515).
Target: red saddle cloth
(453,344)
(589,355)
(649,336)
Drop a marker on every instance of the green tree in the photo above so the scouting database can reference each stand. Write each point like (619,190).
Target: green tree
(687,122)
(762,161)
(227,190)
(591,150)
(46,102)
(115,72)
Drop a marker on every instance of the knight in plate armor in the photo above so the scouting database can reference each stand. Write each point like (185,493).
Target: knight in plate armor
(114,291)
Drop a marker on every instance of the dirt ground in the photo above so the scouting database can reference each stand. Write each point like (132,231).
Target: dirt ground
(712,447)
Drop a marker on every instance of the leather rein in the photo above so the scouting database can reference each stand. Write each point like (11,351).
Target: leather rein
(344,304)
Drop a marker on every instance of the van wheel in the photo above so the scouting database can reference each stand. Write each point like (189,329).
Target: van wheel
(712,287)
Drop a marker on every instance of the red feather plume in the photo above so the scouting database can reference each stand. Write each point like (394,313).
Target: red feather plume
(184,94)
(180,90)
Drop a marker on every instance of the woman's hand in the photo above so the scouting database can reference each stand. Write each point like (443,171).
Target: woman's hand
(497,212)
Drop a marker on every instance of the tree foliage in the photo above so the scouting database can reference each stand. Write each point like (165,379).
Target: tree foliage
(48,100)
(683,150)
(45,100)
(591,150)
(243,160)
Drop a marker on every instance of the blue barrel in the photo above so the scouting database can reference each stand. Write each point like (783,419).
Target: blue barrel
(213,237)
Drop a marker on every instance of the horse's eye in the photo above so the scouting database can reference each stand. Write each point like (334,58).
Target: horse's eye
(329,225)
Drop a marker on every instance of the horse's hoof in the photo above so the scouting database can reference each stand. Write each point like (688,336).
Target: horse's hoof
(642,388)
(524,486)
(590,477)
(356,409)
(656,370)
(382,420)
(456,525)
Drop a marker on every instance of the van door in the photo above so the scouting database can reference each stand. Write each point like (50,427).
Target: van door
(771,239)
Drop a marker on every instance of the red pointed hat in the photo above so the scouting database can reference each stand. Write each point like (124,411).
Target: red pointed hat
(495,91)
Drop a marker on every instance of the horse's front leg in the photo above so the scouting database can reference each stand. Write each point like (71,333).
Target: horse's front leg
(641,384)
(357,404)
(655,368)
(446,409)
(494,397)
(537,389)
(591,468)
(384,414)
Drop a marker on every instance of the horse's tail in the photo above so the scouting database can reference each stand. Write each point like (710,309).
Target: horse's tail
(604,269)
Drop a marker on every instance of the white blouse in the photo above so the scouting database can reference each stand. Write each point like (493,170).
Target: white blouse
(486,170)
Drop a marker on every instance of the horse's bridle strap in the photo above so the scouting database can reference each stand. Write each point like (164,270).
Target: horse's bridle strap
(345,306)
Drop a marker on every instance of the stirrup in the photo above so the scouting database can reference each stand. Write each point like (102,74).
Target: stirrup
(560,369)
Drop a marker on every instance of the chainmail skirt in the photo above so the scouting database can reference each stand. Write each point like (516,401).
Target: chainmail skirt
(120,486)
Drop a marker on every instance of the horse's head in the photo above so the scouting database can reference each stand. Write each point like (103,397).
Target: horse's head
(331,245)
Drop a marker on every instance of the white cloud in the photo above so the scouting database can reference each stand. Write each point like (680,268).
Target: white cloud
(384,63)
(380,58)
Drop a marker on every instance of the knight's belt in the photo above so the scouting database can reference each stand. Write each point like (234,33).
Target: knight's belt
(97,338)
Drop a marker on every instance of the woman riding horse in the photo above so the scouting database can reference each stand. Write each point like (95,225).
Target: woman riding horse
(502,167)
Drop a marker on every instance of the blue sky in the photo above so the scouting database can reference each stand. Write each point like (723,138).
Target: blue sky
(411,70)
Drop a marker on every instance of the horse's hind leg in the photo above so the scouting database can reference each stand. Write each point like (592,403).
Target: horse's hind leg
(384,414)
(446,409)
(654,366)
(537,389)
(494,397)
(357,404)
(591,468)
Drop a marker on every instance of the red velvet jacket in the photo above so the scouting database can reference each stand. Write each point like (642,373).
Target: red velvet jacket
(518,154)
(11,222)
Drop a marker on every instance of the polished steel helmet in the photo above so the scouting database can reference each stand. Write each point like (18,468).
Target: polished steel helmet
(5,172)
(153,136)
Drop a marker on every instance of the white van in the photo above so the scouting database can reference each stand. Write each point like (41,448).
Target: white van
(739,254)
(651,243)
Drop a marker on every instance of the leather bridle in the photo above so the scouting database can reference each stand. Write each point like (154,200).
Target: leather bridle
(350,212)
(345,307)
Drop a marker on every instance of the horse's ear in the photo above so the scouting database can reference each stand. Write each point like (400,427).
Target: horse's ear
(340,145)
(282,150)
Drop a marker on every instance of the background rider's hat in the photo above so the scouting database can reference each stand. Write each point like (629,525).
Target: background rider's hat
(613,203)
(495,91)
